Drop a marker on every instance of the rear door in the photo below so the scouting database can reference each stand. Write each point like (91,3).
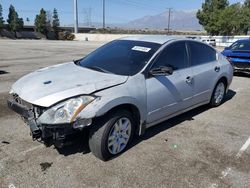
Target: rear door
(205,70)
(168,94)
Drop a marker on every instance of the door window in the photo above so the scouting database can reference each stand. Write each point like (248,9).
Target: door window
(174,55)
(201,53)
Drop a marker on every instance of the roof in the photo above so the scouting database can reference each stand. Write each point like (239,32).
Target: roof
(160,39)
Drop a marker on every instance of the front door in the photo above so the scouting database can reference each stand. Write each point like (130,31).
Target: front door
(169,94)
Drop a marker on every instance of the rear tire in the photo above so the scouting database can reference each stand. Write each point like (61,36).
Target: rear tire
(110,136)
(218,95)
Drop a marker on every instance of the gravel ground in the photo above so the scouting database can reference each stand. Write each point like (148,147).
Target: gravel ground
(196,149)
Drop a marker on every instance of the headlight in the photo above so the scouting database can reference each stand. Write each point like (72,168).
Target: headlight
(65,112)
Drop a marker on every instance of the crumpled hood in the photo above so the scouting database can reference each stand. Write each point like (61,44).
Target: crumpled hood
(50,85)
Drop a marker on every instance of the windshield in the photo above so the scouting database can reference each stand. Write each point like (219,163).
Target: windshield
(241,45)
(122,57)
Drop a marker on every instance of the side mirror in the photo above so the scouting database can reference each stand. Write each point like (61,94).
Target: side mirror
(226,48)
(162,71)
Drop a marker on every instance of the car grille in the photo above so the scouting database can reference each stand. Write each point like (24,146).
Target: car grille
(240,57)
(242,65)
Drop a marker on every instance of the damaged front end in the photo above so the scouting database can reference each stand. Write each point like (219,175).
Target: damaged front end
(241,64)
(243,67)
(55,124)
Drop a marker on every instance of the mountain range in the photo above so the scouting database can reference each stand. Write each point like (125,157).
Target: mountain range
(180,20)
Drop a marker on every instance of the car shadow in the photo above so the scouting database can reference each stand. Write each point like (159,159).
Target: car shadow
(80,142)
(170,87)
(77,144)
(3,72)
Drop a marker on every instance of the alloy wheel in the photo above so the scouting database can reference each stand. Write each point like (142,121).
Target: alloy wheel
(119,135)
(219,93)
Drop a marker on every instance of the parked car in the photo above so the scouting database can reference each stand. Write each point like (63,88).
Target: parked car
(239,55)
(194,38)
(211,42)
(119,90)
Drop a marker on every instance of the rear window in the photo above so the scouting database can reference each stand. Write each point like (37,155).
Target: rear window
(201,53)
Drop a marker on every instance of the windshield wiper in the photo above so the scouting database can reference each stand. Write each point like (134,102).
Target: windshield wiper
(96,68)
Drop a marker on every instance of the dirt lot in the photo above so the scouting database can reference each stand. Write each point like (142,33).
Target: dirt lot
(198,149)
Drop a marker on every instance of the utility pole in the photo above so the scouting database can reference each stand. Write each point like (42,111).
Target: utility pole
(87,12)
(76,16)
(103,21)
(90,17)
(169,15)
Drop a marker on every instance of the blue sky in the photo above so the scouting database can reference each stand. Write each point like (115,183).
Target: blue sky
(117,11)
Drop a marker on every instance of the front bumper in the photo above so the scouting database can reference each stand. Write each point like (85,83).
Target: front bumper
(48,134)
(241,67)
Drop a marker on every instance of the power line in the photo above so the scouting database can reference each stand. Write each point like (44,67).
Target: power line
(136,5)
(37,11)
(87,16)
(144,5)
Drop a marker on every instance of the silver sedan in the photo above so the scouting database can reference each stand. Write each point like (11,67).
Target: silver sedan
(119,90)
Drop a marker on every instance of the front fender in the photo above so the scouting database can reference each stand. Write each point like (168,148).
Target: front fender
(132,92)
(102,105)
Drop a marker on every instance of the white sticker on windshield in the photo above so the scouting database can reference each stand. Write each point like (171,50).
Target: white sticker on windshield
(141,49)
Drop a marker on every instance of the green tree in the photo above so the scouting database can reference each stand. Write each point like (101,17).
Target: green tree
(14,22)
(245,17)
(1,17)
(41,22)
(220,4)
(210,14)
(55,22)
(48,21)
(236,17)
(247,3)
(230,21)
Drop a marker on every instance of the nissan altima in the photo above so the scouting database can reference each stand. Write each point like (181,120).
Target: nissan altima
(120,90)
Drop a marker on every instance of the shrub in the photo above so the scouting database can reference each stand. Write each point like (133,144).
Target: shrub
(66,35)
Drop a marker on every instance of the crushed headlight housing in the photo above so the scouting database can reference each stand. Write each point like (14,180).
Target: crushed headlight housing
(66,111)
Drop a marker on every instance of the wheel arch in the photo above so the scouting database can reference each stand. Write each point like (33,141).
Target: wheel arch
(221,79)
(224,80)
(133,109)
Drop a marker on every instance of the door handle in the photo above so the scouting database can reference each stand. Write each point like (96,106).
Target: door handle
(189,79)
(217,69)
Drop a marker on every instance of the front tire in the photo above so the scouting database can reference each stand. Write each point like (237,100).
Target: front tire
(111,135)
(218,94)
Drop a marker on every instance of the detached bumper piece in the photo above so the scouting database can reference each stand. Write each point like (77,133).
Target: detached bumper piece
(20,109)
(48,134)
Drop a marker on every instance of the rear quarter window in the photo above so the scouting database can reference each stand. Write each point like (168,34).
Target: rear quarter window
(201,53)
